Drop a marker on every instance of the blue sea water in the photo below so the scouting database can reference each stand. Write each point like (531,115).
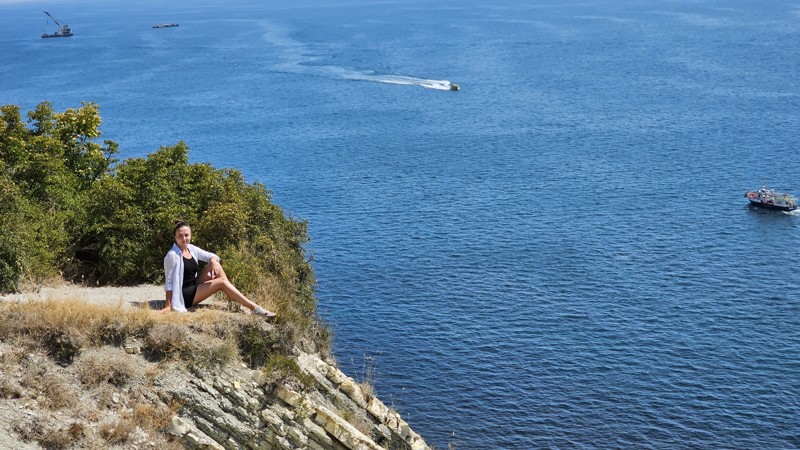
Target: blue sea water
(556,256)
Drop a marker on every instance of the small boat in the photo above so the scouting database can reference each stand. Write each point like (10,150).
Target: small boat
(768,198)
(454,87)
(165,25)
(63,30)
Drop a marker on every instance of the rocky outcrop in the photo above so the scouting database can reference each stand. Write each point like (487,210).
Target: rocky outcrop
(123,380)
(238,409)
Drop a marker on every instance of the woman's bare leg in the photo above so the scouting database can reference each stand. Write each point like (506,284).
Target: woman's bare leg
(207,286)
(210,287)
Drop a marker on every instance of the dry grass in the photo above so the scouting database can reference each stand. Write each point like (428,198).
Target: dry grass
(158,418)
(106,322)
(368,375)
(106,366)
(296,326)
(215,353)
(10,389)
(65,327)
(48,435)
(167,340)
(117,431)
(284,371)
(94,323)
(58,393)
(88,338)
(358,421)
(50,389)
(269,293)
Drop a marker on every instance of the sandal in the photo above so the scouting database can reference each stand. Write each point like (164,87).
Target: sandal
(264,312)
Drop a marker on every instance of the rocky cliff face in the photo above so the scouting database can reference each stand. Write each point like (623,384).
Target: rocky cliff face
(91,374)
(233,410)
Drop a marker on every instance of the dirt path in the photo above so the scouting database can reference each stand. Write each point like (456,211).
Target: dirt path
(130,296)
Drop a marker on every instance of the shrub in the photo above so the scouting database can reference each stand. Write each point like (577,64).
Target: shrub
(151,417)
(72,207)
(117,431)
(283,370)
(48,436)
(45,171)
(10,389)
(56,439)
(10,265)
(113,331)
(106,367)
(166,340)
(57,393)
(255,342)
(63,345)
(68,207)
(214,356)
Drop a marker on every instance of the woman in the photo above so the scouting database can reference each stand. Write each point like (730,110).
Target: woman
(186,286)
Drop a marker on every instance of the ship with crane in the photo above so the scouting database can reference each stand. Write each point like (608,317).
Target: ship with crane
(63,30)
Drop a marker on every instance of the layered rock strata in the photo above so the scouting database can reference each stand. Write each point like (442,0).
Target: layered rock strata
(233,410)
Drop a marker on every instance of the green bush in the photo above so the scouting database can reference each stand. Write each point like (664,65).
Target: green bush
(282,370)
(67,207)
(46,169)
(256,342)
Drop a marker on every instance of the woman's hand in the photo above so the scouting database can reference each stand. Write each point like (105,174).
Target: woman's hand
(214,268)
(168,304)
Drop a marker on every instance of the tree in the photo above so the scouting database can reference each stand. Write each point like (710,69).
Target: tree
(67,207)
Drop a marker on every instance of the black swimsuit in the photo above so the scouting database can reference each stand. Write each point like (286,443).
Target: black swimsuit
(189,287)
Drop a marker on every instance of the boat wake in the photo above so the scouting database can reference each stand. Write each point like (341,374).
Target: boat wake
(294,57)
(368,75)
(441,85)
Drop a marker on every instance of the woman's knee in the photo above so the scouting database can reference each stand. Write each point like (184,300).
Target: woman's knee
(225,284)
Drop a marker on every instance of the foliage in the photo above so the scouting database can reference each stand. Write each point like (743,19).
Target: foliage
(167,340)
(67,207)
(256,342)
(46,169)
(284,371)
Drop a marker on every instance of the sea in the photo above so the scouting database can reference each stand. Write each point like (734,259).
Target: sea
(556,256)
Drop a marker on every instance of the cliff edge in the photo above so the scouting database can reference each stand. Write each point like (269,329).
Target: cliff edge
(95,368)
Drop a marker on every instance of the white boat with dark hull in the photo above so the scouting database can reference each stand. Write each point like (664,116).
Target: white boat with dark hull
(768,198)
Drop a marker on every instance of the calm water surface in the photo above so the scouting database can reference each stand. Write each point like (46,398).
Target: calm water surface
(557,256)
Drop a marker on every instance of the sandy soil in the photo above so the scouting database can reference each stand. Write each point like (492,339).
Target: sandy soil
(16,411)
(131,296)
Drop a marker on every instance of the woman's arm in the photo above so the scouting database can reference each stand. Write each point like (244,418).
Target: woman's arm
(170,266)
(169,303)
(214,267)
(203,255)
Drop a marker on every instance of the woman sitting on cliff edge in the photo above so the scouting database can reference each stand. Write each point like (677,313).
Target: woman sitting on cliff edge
(187,286)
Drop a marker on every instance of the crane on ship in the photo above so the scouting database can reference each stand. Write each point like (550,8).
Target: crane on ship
(63,30)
